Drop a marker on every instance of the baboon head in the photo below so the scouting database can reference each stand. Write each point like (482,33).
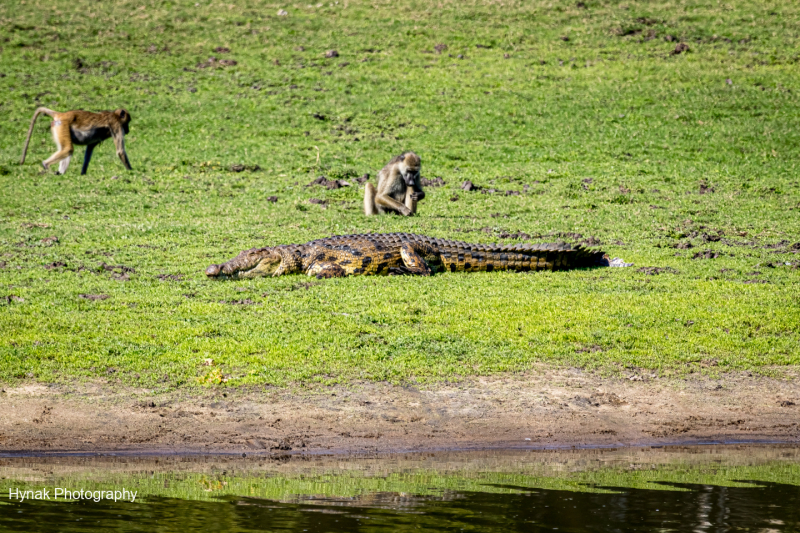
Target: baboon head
(410,165)
(253,263)
(124,118)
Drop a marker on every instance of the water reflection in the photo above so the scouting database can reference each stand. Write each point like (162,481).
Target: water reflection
(653,505)
(761,507)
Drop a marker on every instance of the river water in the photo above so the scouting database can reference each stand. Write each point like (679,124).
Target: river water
(686,488)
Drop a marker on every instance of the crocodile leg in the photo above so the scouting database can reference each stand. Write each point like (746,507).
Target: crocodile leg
(414,263)
(326,270)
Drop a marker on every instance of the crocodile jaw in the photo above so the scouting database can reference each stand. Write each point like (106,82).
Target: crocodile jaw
(254,263)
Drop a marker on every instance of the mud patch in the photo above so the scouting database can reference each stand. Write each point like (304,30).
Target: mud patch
(654,271)
(589,349)
(297,286)
(578,237)
(680,48)
(517,235)
(435,182)
(213,62)
(170,277)
(707,254)
(246,301)
(94,297)
(118,272)
(705,188)
(241,168)
(329,184)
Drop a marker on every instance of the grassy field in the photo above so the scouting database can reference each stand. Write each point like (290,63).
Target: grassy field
(685,164)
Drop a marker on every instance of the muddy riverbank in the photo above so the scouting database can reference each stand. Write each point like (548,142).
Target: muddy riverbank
(541,409)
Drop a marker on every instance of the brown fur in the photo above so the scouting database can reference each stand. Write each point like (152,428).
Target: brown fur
(84,129)
(399,187)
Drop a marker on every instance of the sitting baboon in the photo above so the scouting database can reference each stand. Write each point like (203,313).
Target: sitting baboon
(399,187)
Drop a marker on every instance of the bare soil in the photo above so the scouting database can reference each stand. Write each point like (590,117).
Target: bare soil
(542,409)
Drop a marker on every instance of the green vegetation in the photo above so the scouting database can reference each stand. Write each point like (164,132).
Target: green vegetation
(684,162)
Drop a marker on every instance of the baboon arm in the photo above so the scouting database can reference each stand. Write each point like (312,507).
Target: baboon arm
(119,143)
(418,192)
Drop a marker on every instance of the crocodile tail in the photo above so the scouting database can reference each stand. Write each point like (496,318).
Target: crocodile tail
(581,257)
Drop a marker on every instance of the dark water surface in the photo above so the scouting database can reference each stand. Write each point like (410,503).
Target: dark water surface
(770,507)
(303,496)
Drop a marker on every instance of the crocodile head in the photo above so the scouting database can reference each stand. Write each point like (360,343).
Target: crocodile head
(252,263)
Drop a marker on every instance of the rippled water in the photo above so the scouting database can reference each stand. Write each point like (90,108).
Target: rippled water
(671,489)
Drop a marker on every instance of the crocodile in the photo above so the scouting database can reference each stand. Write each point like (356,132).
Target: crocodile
(403,253)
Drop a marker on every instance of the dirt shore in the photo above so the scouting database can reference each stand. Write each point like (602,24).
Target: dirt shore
(541,409)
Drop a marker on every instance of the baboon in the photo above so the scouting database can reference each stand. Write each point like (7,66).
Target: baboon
(85,129)
(399,187)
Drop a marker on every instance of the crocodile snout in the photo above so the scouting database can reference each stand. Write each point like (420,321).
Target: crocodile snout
(213,271)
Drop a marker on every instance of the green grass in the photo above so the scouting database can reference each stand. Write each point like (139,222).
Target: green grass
(606,134)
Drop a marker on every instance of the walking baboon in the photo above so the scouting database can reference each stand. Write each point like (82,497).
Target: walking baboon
(85,129)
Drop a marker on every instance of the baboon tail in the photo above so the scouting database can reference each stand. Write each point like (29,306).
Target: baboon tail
(39,111)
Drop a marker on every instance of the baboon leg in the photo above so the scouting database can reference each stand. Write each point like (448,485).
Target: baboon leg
(326,270)
(63,165)
(58,156)
(413,261)
(384,202)
(410,202)
(86,158)
(369,200)
(63,152)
